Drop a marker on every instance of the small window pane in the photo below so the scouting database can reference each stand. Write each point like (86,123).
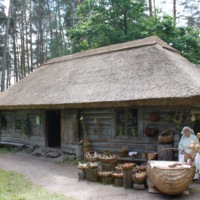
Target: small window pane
(132,123)
(120,123)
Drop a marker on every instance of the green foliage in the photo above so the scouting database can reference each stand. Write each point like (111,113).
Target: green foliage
(185,39)
(115,21)
(8,148)
(15,186)
(105,22)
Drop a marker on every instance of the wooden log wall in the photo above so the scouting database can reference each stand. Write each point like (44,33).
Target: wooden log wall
(166,118)
(100,125)
(36,121)
(103,137)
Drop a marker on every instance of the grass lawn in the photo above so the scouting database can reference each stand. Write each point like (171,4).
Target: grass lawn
(14,186)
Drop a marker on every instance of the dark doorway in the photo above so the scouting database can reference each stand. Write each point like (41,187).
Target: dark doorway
(53,128)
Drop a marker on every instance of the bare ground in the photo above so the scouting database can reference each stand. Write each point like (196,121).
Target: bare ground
(63,178)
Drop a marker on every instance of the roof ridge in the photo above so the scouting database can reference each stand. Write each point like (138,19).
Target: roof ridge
(152,40)
(91,53)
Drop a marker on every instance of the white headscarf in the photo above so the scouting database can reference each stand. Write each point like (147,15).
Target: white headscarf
(185,128)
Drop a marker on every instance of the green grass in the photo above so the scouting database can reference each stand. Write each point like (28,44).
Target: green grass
(7,148)
(14,186)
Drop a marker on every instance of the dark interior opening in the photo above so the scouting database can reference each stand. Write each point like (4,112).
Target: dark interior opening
(53,128)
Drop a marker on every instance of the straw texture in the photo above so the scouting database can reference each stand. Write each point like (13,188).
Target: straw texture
(141,72)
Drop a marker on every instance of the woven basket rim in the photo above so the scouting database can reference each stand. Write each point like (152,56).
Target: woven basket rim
(92,159)
(141,179)
(117,174)
(108,160)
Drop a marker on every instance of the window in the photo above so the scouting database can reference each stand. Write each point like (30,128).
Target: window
(127,122)
(19,119)
(18,124)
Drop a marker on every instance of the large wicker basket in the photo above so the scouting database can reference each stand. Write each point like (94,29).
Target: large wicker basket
(170,180)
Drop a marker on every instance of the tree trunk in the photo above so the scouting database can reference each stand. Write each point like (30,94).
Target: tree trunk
(150,8)
(154,7)
(50,21)
(5,48)
(15,53)
(41,57)
(125,23)
(23,73)
(50,26)
(31,38)
(8,83)
(27,48)
(174,11)
(60,28)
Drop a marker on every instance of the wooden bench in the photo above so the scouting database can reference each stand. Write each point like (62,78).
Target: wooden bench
(130,159)
(18,145)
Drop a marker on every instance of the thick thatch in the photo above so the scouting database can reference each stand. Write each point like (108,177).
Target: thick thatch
(142,72)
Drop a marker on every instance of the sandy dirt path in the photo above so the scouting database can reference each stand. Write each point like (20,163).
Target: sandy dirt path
(63,178)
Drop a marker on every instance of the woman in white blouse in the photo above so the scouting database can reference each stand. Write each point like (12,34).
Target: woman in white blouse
(184,146)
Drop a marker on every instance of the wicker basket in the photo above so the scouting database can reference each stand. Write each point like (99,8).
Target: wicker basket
(108,160)
(171,181)
(122,154)
(141,168)
(92,165)
(139,178)
(117,174)
(92,156)
(127,166)
(166,137)
(152,156)
(92,159)
(104,173)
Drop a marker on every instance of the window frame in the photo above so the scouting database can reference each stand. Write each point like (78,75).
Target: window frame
(126,112)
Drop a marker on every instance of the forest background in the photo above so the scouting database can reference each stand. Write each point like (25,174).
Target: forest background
(34,31)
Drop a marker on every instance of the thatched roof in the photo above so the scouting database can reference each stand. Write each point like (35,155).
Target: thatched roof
(141,72)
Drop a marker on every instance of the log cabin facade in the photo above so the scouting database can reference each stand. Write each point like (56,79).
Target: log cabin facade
(118,91)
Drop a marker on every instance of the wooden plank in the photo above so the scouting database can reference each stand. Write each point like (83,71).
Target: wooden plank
(12,144)
(154,190)
(140,122)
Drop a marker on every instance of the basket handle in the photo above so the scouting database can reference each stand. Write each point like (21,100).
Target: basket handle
(182,151)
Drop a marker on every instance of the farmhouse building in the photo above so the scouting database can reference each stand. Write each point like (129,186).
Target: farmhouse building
(120,91)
